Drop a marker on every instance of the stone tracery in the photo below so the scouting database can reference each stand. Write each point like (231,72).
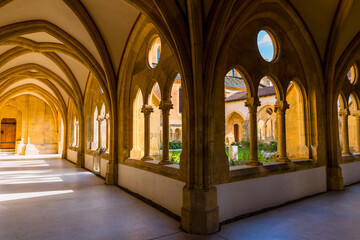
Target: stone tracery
(106,98)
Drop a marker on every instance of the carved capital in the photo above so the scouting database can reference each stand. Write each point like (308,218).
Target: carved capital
(147,110)
(252,103)
(166,105)
(281,106)
(356,113)
(344,112)
(100,118)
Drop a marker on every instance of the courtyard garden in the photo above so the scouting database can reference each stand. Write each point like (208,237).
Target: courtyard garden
(264,152)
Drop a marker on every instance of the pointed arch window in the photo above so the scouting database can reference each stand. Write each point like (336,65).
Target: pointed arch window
(75,132)
(95,142)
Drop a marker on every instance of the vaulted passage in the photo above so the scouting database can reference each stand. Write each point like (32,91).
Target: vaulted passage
(210,109)
(47,199)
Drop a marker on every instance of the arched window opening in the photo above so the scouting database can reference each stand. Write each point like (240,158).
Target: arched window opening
(103,130)
(156,124)
(237,139)
(352,74)
(154,52)
(261,130)
(107,119)
(95,142)
(269,129)
(352,124)
(295,123)
(339,108)
(138,127)
(175,121)
(61,134)
(343,115)
(75,132)
(266,118)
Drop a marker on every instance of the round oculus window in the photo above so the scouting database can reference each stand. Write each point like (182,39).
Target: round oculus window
(266,45)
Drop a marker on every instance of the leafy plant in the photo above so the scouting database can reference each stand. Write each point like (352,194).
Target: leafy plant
(245,144)
(244,152)
(175,157)
(175,145)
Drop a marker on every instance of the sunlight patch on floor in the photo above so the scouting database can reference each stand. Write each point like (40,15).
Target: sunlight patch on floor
(24,177)
(17,196)
(29,163)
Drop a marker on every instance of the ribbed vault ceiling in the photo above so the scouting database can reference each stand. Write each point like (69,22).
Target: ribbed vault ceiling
(65,40)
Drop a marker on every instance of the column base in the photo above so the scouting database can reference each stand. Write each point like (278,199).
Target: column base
(346,153)
(80,160)
(200,213)
(165,162)
(254,163)
(283,159)
(110,176)
(335,181)
(148,158)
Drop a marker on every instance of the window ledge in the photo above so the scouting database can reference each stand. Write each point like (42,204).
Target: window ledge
(171,170)
(355,157)
(104,155)
(244,172)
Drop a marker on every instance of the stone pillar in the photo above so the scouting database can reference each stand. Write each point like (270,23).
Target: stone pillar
(200,212)
(253,104)
(147,110)
(99,119)
(344,114)
(280,109)
(107,117)
(165,107)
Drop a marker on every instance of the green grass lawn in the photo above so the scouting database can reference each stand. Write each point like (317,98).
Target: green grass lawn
(244,157)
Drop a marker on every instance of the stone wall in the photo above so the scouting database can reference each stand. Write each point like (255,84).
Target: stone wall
(36,123)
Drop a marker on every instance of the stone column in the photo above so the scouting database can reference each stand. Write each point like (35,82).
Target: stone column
(99,119)
(107,117)
(280,109)
(253,104)
(344,114)
(165,107)
(147,110)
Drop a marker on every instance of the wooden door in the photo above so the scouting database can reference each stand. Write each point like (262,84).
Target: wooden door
(236,132)
(8,133)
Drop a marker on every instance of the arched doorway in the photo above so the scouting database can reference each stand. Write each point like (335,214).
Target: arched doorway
(8,133)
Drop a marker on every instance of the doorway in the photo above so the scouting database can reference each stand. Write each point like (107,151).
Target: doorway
(8,133)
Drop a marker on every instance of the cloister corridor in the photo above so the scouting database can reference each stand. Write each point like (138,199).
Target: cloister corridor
(34,192)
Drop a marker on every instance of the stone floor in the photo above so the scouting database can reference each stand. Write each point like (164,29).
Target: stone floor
(51,199)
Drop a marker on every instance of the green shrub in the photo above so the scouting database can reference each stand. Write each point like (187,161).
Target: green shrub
(273,146)
(268,147)
(245,144)
(175,145)
(175,157)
